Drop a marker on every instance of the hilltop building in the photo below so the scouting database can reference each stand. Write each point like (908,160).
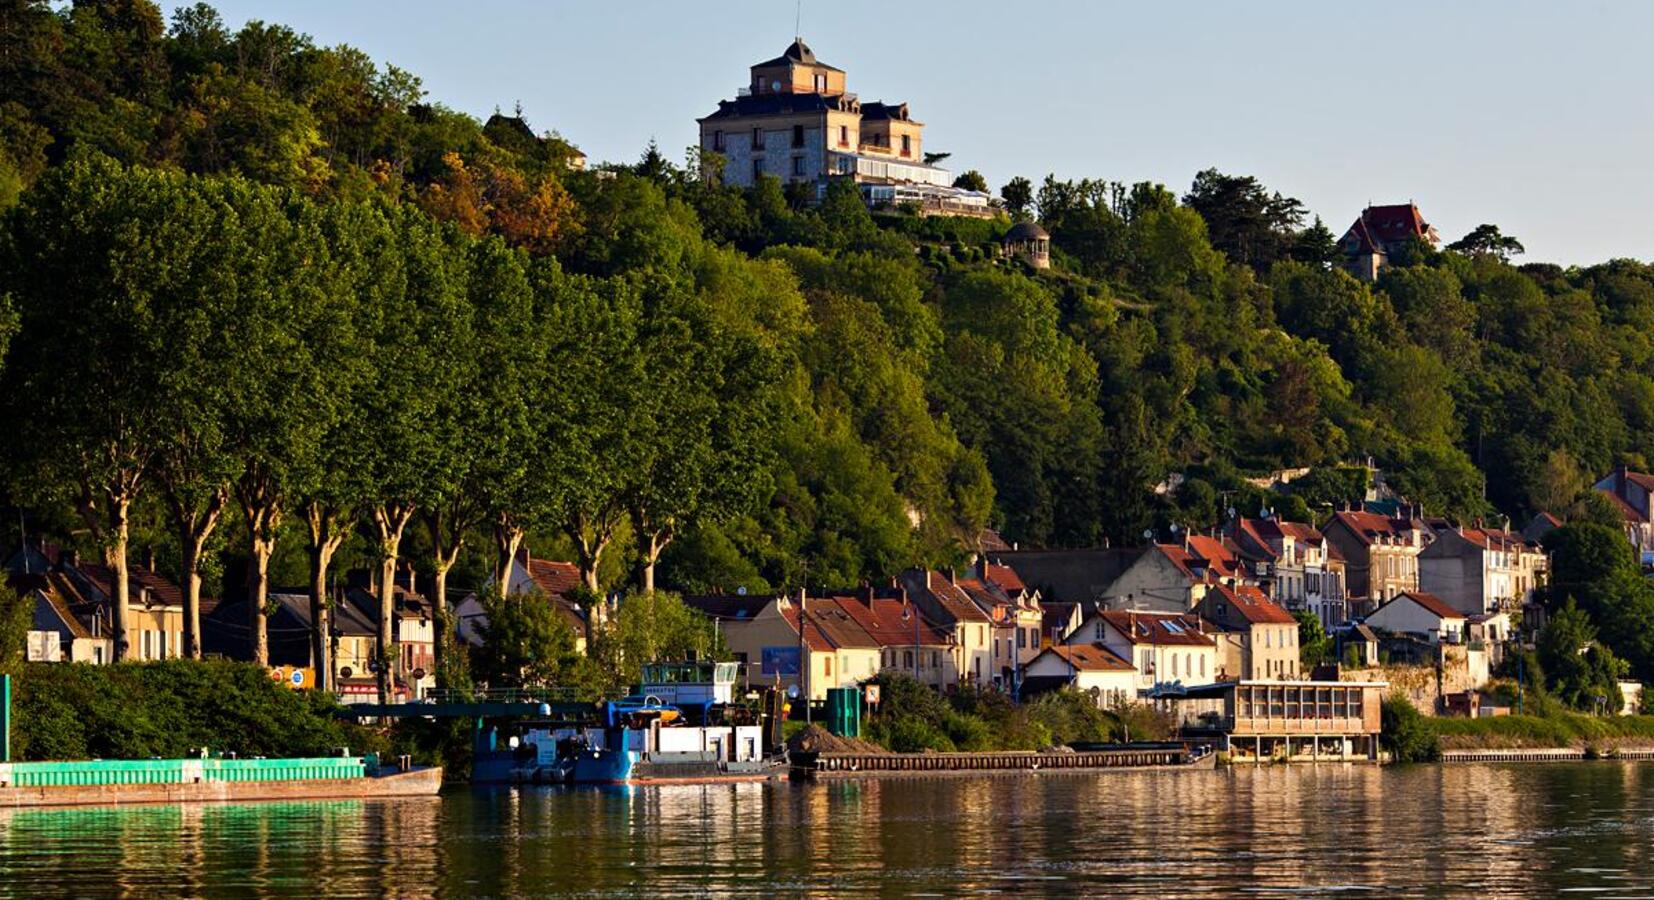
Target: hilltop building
(1632,493)
(1378,233)
(796,121)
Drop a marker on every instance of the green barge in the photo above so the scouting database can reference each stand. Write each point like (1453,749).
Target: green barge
(106,782)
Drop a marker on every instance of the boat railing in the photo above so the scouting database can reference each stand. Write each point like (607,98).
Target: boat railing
(504,695)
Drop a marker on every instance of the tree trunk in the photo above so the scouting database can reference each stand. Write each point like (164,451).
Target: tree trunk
(651,540)
(195,528)
(508,539)
(389,520)
(263,517)
(120,507)
(325,537)
(588,551)
(445,548)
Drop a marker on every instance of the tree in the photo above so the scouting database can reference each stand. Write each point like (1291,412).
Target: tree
(1487,240)
(84,282)
(1314,647)
(1315,245)
(972,180)
(1245,221)
(649,627)
(1406,733)
(1582,673)
(1018,194)
(525,641)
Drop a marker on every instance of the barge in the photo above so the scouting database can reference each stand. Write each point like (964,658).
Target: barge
(202,780)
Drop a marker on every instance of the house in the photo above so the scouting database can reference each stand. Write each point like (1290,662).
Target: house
(1630,493)
(353,640)
(1477,570)
(1057,620)
(66,588)
(796,121)
(411,626)
(553,580)
(1162,647)
(1258,639)
(1420,614)
(1365,642)
(1380,553)
(1172,578)
(1015,611)
(1069,576)
(910,642)
(1090,667)
(1540,525)
(1295,565)
(57,634)
(972,628)
(763,634)
(1381,232)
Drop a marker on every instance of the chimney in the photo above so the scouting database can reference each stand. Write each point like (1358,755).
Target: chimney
(71,557)
(951,575)
(149,558)
(867,592)
(927,579)
(528,559)
(1619,479)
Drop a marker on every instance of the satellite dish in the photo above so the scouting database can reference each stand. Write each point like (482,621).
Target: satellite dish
(1176,528)
(345,672)
(1148,534)
(514,742)
(792,692)
(1232,512)
(775,86)
(740,592)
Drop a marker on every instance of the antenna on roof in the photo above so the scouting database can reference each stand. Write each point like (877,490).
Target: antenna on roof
(798,19)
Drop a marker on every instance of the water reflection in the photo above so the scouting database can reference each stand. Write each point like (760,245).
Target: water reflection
(1494,831)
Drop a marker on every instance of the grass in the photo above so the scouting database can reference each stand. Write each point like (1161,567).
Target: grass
(1562,729)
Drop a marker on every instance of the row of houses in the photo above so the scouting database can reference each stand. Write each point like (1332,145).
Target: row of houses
(73,613)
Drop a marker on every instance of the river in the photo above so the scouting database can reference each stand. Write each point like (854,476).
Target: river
(1494,830)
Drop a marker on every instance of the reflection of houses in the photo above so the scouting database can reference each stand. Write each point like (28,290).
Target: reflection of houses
(1089,667)
(75,601)
(1380,554)
(1295,565)
(1256,638)
(1630,493)
(1381,232)
(549,579)
(1422,615)
(1478,571)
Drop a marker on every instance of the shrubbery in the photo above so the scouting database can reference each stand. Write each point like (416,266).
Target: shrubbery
(912,718)
(166,709)
(1407,735)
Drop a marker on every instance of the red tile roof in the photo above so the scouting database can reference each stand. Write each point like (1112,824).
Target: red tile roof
(1249,603)
(553,578)
(1641,479)
(1005,577)
(1368,526)
(1159,629)
(829,626)
(1091,658)
(1380,226)
(895,623)
(1431,603)
(954,602)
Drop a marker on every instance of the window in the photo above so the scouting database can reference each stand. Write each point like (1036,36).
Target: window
(718,141)
(821,83)
(798,135)
(758,139)
(907,658)
(907,145)
(1203,667)
(844,135)
(798,165)
(827,667)
(757,169)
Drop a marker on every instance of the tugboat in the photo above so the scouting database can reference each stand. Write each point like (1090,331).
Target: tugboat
(683,724)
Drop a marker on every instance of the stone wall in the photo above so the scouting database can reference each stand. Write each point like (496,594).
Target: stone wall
(1462,669)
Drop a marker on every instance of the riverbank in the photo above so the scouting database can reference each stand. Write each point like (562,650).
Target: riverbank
(1562,731)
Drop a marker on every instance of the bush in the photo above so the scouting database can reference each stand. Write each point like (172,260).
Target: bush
(1406,735)
(167,709)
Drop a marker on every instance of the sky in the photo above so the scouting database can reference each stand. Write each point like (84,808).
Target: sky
(1533,115)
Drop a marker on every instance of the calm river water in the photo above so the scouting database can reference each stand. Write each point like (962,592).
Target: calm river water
(1484,830)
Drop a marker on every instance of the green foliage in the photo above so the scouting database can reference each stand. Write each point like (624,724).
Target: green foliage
(525,642)
(912,718)
(1406,733)
(16,618)
(1581,673)
(1314,646)
(167,709)
(648,627)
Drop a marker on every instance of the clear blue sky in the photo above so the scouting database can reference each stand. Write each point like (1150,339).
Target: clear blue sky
(1531,114)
